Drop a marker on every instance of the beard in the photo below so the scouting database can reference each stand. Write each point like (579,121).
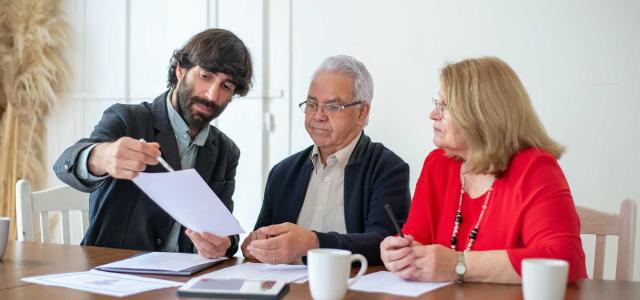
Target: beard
(196,119)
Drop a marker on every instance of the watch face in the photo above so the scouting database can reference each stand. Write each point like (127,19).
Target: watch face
(460,269)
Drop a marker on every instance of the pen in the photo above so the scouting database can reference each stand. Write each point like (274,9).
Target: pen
(393,219)
(162,161)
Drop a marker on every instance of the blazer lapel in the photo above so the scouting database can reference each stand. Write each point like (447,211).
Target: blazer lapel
(164,132)
(206,159)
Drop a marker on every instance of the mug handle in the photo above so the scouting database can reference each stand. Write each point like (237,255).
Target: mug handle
(363,267)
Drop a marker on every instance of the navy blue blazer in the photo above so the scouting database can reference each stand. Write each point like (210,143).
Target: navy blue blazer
(120,214)
(374,176)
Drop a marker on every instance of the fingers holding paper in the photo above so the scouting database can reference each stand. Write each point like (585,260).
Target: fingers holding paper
(122,159)
(286,243)
(209,245)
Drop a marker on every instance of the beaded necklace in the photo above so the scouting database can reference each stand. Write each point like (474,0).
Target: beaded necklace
(456,225)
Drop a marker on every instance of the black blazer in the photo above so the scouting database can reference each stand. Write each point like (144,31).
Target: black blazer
(120,214)
(374,176)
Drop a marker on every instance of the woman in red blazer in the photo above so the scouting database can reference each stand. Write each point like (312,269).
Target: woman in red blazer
(492,193)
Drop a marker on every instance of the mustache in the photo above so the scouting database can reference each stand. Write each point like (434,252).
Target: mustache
(203,102)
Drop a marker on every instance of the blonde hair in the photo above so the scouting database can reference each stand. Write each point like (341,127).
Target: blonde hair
(489,105)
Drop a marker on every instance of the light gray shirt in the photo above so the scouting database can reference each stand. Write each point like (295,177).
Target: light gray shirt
(323,207)
(187,149)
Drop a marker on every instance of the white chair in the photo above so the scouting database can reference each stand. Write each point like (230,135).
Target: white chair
(602,224)
(61,198)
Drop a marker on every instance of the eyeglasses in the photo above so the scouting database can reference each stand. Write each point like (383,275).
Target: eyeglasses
(441,107)
(329,108)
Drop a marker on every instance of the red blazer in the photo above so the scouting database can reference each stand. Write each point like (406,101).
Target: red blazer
(530,212)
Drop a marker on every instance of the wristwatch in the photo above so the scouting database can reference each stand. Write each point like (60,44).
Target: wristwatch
(460,267)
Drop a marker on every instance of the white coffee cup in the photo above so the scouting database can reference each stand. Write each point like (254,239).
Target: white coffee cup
(544,278)
(329,271)
(4,235)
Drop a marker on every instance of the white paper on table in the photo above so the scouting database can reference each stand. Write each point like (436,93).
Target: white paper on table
(106,283)
(188,199)
(168,261)
(260,271)
(386,282)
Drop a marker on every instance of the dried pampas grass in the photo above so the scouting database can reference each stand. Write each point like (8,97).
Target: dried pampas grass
(33,34)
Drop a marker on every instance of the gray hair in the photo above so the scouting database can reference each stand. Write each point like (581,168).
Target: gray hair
(362,81)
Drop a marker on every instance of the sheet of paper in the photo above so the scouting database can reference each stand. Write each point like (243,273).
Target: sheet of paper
(188,199)
(170,261)
(106,283)
(386,282)
(259,271)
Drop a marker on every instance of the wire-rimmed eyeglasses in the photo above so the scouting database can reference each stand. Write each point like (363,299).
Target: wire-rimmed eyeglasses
(308,107)
(440,106)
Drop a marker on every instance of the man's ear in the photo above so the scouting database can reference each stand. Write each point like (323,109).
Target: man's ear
(364,111)
(180,72)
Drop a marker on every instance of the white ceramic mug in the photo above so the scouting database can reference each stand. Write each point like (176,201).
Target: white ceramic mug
(4,235)
(329,271)
(544,278)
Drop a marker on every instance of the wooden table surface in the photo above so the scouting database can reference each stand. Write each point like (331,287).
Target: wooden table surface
(24,259)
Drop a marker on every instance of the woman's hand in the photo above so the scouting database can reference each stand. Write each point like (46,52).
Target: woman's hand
(432,263)
(396,253)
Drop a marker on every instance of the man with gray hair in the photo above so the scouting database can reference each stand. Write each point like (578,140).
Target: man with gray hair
(333,193)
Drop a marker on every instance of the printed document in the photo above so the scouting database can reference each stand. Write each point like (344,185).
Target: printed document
(105,283)
(188,199)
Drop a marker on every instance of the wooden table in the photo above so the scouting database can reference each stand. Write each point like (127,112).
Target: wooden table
(24,259)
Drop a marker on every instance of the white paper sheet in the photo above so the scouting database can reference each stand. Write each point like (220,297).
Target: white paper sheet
(169,261)
(386,282)
(188,199)
(259,271)
(112,284)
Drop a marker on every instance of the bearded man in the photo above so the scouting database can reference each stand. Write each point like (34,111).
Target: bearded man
(203,76)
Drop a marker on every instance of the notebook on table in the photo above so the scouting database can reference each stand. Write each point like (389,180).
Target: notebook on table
(164,263)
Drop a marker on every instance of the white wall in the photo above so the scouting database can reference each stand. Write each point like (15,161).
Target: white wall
(579,61)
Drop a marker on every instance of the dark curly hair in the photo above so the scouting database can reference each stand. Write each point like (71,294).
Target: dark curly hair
(215,50)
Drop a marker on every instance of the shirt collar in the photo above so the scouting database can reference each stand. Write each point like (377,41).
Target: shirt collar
(180,127)
(341,156)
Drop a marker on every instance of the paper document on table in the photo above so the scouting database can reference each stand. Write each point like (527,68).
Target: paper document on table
(112,284)
(169,263)
(260,271)
(188,199)
(386,282)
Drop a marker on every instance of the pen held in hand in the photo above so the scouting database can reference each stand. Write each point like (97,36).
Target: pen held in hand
(393,219)
(162,161)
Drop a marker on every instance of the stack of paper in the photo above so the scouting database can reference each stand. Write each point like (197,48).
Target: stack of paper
(118,285)
(168,263)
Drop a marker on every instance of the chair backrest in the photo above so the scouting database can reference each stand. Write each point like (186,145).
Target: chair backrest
(61,198)
(602,224)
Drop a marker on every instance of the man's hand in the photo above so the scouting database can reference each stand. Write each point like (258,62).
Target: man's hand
(254,235)
(432,263)
(209,245)
(286,243)
(123,159)
(397,255)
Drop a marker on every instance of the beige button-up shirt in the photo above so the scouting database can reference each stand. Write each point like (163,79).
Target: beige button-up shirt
(323,207)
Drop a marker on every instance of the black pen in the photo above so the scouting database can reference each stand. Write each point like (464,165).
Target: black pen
(393,219)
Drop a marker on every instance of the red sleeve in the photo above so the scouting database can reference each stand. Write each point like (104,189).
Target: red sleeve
(550,227)
(420,223)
